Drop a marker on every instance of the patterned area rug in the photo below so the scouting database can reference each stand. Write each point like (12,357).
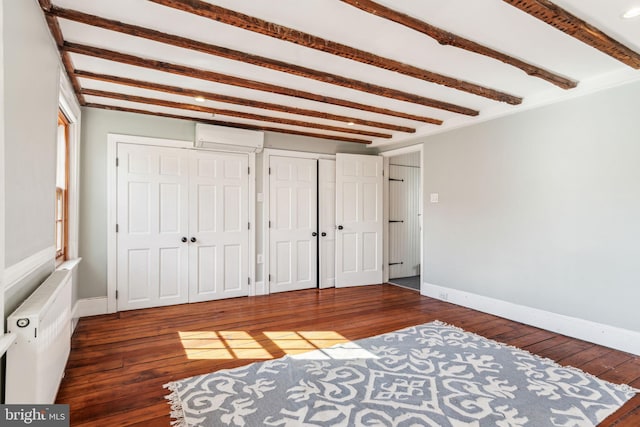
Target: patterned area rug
(428,375)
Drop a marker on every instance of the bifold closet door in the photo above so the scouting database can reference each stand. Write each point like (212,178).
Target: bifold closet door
(292,223)
(218,226)
(359,220)
(152,217)
(327,222)
(182,226)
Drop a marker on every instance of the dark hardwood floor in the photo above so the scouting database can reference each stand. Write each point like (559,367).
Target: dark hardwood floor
(119,362)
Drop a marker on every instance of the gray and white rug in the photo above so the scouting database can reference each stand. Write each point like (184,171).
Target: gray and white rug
(427,375)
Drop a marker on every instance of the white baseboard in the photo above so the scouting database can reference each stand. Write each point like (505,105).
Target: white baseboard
(597,333)
(17,272)
(90,307)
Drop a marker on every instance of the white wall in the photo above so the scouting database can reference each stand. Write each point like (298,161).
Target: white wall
(96,124)
(31,84)
(31,99)
(541,208)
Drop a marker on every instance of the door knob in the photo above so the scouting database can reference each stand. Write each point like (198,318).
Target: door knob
(193,240)
(314,234)
(323,234)
(184,240)
(340,227)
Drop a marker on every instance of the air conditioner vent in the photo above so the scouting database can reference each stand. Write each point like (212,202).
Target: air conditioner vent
(221,138)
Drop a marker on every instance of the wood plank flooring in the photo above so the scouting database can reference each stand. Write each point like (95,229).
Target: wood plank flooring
(119,362)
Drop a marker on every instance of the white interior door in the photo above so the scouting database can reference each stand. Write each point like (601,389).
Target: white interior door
(359,218)
(327,222)
(292,223)
(152,218)
(218,226)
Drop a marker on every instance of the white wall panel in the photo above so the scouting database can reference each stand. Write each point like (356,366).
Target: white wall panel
(404,205)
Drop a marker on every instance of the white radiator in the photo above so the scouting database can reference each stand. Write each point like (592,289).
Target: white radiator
(36,361)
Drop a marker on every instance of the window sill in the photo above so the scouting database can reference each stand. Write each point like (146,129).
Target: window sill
(69,264)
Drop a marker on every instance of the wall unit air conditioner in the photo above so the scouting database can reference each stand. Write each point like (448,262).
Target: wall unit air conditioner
(210,137)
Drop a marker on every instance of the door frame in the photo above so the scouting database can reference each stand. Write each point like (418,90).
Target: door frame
(113,139)
(264,287)
(385,207)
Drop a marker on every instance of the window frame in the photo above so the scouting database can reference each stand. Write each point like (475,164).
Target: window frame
(62,197)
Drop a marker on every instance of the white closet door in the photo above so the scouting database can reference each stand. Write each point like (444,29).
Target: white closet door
(359,219)
(218,222)
(327,221)
(152,219)
(293,222)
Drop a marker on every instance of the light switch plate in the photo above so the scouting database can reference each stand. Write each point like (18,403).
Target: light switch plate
(260,197)
(433,197)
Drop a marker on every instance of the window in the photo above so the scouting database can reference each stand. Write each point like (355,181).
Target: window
(62,186)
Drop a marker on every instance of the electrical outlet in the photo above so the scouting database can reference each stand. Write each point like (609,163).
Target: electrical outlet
(260,260)
(444,296)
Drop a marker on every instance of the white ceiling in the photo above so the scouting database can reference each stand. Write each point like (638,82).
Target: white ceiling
(493,23)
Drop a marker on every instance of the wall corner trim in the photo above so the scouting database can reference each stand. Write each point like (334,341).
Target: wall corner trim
(259,289)
(598,333)
(90,307)
(17,272)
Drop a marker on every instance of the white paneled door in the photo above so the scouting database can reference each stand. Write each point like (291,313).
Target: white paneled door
(359,220)
(152,212)
(182,226)
(327,222)
(292,223)
(218,226)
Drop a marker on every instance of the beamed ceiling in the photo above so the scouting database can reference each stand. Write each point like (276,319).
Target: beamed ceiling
(361,71)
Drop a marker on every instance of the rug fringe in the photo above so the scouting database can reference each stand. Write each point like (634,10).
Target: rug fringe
(177,412)
(625,388)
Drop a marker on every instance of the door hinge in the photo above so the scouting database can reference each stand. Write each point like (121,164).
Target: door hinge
(269,170)
(248,170)
(117,228)
(269,224)
(248,280)
(116,294)
(248,226)
(269,278)
(117,162)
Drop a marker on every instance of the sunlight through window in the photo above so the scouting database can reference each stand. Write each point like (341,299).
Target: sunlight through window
(224,345)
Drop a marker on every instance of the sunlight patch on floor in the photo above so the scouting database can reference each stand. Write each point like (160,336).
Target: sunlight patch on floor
(222,345)
(227,345)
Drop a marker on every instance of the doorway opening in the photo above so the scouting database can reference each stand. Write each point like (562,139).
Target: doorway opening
(404,220)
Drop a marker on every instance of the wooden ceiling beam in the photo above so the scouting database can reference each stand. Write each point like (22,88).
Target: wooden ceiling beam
(45,5)
(449,39)
(237,101)
(229,124)
(212,76)
(260,61)
(231,113)
(570,24)
(56,33)
(280,32)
